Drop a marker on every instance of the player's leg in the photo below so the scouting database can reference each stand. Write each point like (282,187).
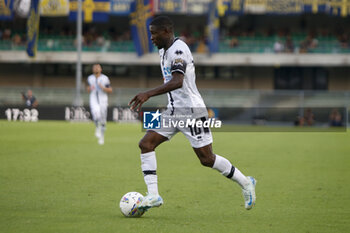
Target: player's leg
(148,159)
(102,123)
(201,140)
(96,115)
(149,168)
(151,140)
(221,164)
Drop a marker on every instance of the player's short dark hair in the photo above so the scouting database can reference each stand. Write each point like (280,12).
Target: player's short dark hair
(163,22)
(97,64)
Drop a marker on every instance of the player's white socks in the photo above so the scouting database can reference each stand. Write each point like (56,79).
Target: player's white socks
(103,128)
(149,169)
(241,179)
(227,169)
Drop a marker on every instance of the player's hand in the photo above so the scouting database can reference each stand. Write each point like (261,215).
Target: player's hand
(138,100)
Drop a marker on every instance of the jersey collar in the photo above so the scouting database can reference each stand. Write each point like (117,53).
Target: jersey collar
(175,39)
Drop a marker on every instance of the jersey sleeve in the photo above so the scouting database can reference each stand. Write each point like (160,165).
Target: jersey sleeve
(89,81)
(178,60)
(107,82)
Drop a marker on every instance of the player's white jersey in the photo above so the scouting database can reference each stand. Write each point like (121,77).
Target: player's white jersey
(97,95)
(178,58)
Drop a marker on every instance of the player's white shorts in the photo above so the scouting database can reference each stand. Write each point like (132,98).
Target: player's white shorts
(99,112)
(198,137)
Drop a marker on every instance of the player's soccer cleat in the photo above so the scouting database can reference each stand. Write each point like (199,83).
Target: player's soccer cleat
(149,201)
(249,193)
(101,140)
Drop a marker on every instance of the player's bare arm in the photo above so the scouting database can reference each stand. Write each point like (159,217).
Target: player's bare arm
(175,83)
(35,104)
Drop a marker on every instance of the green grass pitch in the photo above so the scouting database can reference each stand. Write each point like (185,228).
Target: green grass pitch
(54,177)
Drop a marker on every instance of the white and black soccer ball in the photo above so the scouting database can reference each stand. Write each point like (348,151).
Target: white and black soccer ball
(22,8)
(128,204)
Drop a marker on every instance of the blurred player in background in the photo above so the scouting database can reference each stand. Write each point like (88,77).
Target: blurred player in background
(99,87)
(178,71)
(30,100)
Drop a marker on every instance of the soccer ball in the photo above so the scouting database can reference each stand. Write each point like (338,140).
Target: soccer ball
(22,8)
(128,204)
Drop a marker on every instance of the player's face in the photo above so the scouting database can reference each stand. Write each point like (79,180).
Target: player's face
(96,69)
(158,36)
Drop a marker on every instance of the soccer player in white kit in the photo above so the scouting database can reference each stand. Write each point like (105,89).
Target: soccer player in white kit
(99,86)
(179,83)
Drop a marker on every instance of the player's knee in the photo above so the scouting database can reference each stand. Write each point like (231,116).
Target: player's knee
(146,146)
(207,161)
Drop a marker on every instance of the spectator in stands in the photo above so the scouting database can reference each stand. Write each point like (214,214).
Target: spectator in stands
(344,40)
(314,43)
(309,43)
(309,117)
(89,37)
(202,47)
(303,48)
(50,43)
(100,40)
(335,118)
(234,42)
(278,47)
(126,35)
(30,100)
(16,40)
(289,45)
(299,121)
(6,35)
(188,38)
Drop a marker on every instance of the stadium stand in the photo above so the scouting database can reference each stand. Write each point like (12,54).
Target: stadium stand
(262,60)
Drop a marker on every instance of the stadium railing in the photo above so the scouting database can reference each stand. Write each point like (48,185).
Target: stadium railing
(212,97)
(244,106)
(256,44)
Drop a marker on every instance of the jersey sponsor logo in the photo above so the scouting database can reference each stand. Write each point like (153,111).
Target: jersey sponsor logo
(167,71)
(167,74)
(179,62)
